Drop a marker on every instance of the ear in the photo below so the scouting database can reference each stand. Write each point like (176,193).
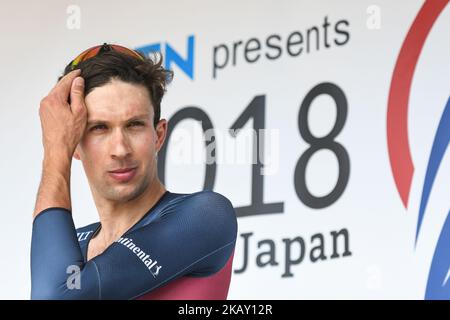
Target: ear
(161,132)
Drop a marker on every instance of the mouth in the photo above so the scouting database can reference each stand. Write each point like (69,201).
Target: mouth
(123,174)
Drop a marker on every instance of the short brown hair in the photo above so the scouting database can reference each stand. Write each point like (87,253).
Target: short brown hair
(149,72)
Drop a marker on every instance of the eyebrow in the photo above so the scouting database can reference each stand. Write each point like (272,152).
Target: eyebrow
(144,116)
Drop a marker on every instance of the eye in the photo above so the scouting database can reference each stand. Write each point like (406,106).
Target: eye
(98,127)
(136,124)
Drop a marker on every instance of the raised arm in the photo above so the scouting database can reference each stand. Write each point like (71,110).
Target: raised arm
(63,125)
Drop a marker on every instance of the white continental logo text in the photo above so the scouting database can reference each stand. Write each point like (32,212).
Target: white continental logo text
(145,258)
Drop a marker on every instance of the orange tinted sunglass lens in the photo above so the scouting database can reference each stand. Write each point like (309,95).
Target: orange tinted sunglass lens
(92,52)
(86,54)
(125,50)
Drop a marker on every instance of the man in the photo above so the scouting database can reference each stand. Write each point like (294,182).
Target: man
(149,243)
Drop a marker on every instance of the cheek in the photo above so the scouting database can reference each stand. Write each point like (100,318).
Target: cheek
(92,152)
(143,145)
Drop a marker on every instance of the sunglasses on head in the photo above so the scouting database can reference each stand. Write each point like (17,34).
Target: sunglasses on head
(94,51)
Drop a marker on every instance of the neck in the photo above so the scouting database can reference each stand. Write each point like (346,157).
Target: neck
(117,218)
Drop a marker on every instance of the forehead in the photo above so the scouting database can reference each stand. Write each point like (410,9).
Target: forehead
(118,100)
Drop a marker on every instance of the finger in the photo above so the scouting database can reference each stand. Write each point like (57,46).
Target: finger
(62,88)
(77,104)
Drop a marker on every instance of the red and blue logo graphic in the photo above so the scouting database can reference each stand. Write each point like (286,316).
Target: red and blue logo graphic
(438,284)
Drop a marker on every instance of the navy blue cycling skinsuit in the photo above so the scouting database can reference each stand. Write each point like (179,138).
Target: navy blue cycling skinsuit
(182,248)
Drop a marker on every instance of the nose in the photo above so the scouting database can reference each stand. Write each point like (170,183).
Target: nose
(120,144)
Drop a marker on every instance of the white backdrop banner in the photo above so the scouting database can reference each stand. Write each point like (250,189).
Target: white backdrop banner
(326,123)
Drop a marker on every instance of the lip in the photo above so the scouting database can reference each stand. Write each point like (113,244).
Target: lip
(123,175)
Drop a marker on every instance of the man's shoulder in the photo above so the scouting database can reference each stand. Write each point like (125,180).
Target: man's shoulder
(213,225)
(206,200)
(206,197)
(206,207)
